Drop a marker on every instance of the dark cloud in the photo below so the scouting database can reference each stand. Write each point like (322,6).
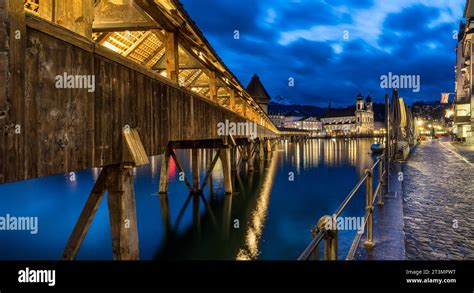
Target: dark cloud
(411,20)
(333,71)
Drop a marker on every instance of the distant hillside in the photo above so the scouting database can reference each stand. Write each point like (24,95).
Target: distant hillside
(305,110)
(315,111)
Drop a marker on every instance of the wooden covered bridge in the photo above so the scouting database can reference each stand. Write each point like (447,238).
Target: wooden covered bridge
(109,83)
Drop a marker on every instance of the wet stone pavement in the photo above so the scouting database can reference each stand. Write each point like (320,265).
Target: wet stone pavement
(438,203)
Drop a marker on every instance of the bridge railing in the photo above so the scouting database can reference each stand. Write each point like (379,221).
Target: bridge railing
(326,229)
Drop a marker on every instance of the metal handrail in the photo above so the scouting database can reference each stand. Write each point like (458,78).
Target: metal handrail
(377,162)
(330,236)
(355,242)
(349,197)
(312,245)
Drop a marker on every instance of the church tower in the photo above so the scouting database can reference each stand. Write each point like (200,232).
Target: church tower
(359,113)
(368,103)
(258,92)
(370,114)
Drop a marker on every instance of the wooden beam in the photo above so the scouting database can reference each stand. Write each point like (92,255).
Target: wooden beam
(201,144)
(196,168)
(188,46)
(133,151)
(209,170)
(165,215)
(192,76)
(77,16)
(159,34)
(231,99)
(152,55)
(268,146)
(164,171)
(233,158)
(86,217)
(250,157)
(122,27)
(122,213)
(160,61)
(180,169)
(46,10)
(135,45)
(150,7)
(244,108)
(212,85)
(196,216)
(172,56)
(224,155)
(102,38)
(59,32)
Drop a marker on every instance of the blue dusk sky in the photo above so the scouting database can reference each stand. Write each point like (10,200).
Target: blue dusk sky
(334,49)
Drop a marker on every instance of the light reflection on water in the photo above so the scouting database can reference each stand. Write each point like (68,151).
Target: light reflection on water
(274,216)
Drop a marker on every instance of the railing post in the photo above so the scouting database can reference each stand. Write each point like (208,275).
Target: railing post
(328,225)
(370,209)
(380,200)
(315,253)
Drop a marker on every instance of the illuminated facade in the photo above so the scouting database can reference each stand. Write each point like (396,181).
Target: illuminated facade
(277,119)
(311,124)
(464,98)
(347,121)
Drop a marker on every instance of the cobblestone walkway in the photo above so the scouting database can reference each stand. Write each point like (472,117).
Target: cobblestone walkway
(438,205)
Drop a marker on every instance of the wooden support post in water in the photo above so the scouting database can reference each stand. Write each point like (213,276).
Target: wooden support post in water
(260,150)
(181,170)
(165,215)
(224,155)
(86,217)
(196,159)
(233,158)
(369,243)
(164,179)
(196,216)
(118,181)
(269,146)
(211,163)
(250,157)
(122,213)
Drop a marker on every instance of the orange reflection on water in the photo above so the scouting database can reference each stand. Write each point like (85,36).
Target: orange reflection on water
(331,152)
(250,251)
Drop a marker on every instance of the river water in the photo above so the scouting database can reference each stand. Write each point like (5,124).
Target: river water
(269,216)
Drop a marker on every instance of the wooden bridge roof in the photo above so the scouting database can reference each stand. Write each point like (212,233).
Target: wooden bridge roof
(136,29)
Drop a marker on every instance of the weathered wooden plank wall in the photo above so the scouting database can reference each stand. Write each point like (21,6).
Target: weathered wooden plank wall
(12,78)
(72,129)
